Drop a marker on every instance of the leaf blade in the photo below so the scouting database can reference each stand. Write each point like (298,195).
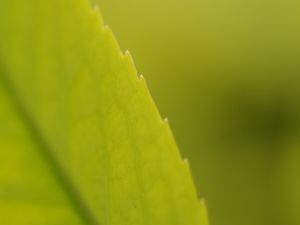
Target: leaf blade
(95,114)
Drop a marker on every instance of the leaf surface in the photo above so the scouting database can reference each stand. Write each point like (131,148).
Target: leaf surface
(81,141)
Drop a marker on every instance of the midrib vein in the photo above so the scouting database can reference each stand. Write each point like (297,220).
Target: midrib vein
(78,202)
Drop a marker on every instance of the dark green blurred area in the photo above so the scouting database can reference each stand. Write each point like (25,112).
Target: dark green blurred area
(226,74)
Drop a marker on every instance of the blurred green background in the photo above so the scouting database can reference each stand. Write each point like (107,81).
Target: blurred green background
(226,73)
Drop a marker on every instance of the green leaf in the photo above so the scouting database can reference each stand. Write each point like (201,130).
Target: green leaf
(81,141)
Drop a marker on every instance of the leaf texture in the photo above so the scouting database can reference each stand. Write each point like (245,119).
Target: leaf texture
(81,140)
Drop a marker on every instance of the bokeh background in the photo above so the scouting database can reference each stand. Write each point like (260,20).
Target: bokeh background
(226,73)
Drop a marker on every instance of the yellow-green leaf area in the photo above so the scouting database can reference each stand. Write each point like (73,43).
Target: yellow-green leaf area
(81,141)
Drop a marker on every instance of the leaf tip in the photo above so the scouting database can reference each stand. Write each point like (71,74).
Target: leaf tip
(203,206)
(128,55)
(106,27)
(166,120)
(95,9)
(141,77)
(186,161)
